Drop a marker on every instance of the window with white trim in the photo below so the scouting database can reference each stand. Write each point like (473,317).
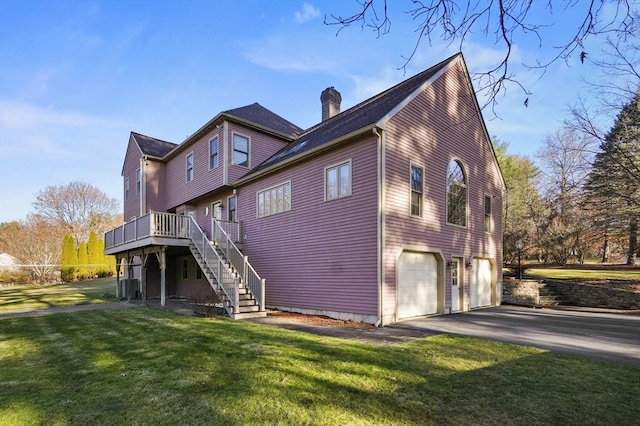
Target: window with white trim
(213,153)
(338,181)
(417,183)
(232,209)
(138,181)
(487,213)
(456,194)
(274,200)
(126,189)
(240,150)
(189,167)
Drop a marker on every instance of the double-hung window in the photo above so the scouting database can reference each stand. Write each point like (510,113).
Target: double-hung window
(126,189)
(213,153)
(189,167)
(274,200)
(417,180)
(138,181)
(240,150)
(232,211)
(338,181)
(487,213)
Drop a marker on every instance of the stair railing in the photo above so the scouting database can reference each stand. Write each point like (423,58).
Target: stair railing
(226,279)
(240,262)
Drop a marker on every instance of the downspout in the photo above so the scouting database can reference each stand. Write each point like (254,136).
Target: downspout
(381,218)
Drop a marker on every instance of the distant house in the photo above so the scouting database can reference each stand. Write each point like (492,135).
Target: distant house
(386,211)
(8,262)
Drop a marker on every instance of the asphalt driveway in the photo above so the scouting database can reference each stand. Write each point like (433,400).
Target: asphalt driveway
(609,337)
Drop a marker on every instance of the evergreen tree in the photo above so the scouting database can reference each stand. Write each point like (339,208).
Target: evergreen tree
(83,270)
(68,259)
(614,182)
(95,255)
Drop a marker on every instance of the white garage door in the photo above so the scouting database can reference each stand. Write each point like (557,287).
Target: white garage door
(480,283)
(417,284)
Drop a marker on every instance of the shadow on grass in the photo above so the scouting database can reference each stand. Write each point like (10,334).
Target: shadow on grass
(146,366)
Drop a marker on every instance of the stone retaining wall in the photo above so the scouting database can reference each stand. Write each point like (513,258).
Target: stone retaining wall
(524,292)
(594,296)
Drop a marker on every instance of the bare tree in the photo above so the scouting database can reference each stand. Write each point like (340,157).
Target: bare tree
(566,159)
(507,23)
(78,206)
(36,243)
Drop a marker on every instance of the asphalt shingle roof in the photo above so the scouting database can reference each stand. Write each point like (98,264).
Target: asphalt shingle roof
(152,146)
(256,113)
(360,116)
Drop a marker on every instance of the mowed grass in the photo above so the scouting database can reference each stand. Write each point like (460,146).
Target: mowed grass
(621,273)
(31,297)
(149,366)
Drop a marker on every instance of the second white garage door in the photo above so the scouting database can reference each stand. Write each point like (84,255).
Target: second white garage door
(480,283)
(417,284)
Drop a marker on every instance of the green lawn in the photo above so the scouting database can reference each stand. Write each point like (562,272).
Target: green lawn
(45,296)
(149,366)
(585,274)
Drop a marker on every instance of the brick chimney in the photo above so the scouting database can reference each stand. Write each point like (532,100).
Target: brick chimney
(330,99)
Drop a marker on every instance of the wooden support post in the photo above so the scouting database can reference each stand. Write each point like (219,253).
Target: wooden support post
(163,278)
(118,265)
(143,276)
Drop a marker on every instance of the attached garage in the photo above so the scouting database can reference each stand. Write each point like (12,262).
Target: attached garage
(480,283)
(417,289)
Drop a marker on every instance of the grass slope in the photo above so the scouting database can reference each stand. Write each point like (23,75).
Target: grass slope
(149,366)
(29,297)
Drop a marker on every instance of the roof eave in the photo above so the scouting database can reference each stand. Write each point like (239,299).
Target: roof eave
(220,118)
(306,154)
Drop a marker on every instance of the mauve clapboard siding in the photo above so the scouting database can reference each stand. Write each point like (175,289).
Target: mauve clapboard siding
(155,185)
(177,190)
(320,255)
(131,206)
(439,125)
(261,147)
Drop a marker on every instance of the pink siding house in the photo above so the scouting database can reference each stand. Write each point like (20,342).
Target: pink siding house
(387,211)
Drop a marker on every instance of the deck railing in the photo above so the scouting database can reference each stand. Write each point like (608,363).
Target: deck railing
(168,225)
(153,224)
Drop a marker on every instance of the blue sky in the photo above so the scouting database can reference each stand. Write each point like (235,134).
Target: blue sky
(76,77)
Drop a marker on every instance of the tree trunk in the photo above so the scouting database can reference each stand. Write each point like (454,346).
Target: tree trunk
(605,249)
(633,241)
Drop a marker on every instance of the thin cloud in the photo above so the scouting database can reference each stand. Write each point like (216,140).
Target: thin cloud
(308,13)
(280,54)
(27,127)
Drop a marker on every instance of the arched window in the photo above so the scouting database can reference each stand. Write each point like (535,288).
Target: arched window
(456,194)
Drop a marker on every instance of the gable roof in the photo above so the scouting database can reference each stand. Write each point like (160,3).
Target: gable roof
(362,116)
(152,146)
(257,114)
